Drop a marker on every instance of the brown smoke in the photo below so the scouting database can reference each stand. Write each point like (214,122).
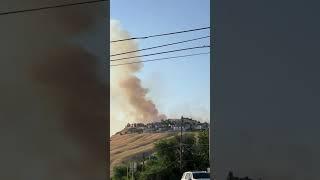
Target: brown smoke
(128,98)
(136,97)
(69,75)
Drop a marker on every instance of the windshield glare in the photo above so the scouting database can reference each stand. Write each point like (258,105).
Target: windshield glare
(201,175)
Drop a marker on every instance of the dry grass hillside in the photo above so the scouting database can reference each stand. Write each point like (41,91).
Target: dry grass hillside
(132,146)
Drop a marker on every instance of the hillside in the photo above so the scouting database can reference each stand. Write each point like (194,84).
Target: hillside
(132,146)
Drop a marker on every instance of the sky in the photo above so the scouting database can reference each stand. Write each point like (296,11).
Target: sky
(178,87)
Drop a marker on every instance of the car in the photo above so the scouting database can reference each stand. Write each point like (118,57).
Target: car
(198,175)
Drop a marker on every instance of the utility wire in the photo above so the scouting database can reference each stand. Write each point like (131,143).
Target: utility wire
(159,59)
(179,42)
(163,52)
(157,35)
(50,7)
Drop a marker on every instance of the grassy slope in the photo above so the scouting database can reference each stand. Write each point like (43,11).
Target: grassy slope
(132,146)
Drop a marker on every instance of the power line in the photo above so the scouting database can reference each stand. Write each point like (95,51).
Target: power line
(163,52)
(50,7)
(179,42)
(160,59)
(157,35)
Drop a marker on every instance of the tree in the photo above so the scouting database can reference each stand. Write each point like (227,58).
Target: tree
(120,172)
(203,149)
(165,162)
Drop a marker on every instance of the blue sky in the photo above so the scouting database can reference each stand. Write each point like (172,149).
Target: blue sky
(181,86)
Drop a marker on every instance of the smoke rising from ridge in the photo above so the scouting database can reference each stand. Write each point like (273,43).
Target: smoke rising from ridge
(128,98)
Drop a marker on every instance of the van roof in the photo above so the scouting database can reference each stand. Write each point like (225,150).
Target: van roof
(197,172)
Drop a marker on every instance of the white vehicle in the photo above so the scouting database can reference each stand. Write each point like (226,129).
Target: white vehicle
(198,175)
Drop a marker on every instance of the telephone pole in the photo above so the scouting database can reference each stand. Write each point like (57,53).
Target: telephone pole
(211,148)
(132,178)
(143,158)
(181,127)
(127,172)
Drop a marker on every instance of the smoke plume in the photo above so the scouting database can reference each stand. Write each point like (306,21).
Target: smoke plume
(128,98)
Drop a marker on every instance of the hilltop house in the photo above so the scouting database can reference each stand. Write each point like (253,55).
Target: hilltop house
(168,125)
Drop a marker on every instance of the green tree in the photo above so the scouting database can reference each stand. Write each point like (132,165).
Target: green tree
(189,152)
(165,162)
(203,149)
(157,170)
(120,172)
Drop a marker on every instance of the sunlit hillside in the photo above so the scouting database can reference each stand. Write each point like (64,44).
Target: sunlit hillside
(132,146)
